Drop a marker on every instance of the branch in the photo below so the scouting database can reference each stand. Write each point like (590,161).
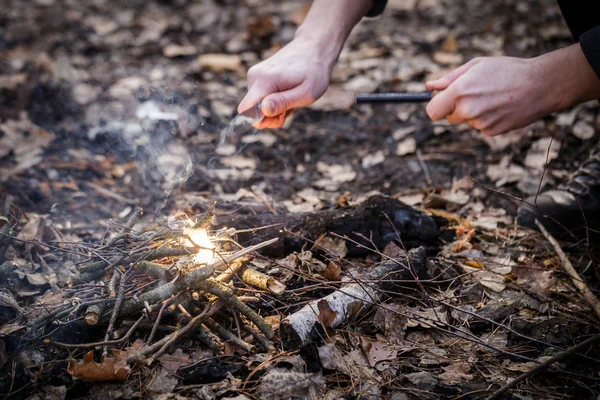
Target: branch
(566,264)
(496,395)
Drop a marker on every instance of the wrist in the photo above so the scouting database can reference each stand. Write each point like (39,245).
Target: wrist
(328,24)
(321,44)
(567,77)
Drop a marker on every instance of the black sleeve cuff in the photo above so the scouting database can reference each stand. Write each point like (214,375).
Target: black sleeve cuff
(377,8)
(590,44)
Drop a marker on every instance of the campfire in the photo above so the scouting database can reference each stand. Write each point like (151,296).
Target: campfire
(151,249)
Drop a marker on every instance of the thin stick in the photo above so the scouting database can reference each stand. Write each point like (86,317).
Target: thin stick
(126,230)
(424,167)
(575,278)
(226,294)
(228,336)
(544,365)
(104,343)
(113,317)
(157,322)
(158,348)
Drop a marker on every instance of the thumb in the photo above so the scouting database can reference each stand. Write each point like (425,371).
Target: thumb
(445,81)
(278,103)
(255,94)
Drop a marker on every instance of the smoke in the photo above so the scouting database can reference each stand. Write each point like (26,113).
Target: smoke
(145,124)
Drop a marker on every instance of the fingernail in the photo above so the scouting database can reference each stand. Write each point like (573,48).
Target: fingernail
(268,107)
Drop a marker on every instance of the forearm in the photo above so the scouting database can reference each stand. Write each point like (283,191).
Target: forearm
(328,24)
(572,79)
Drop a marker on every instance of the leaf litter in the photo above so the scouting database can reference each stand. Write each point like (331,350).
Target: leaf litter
(499,272)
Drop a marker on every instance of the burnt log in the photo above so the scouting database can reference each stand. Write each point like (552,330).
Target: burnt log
(372,219)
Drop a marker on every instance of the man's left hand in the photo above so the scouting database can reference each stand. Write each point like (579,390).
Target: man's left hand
(494,94)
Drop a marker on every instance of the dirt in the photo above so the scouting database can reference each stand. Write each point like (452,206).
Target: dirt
(135,125)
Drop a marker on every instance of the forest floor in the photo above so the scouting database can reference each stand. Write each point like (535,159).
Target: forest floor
(105,107)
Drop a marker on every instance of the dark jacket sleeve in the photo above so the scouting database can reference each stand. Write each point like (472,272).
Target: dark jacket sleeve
(377,8)
(583,19)
(590,44)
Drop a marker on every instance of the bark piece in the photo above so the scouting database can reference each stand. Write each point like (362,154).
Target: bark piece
(263,281)
(297,329)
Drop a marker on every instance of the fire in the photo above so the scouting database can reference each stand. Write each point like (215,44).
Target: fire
(201,238)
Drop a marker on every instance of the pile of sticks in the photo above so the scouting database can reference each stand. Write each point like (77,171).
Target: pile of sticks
(138,278)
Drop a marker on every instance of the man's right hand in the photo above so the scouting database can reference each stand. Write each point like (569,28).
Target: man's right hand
(295,76)
(298,74)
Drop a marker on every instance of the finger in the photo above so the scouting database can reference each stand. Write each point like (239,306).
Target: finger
(256,93)
(278,103)
(445,81)
(455,118)
(441,105)
(486,124)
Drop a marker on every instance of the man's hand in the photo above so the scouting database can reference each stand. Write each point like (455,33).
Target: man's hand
(499,94)
(296,76)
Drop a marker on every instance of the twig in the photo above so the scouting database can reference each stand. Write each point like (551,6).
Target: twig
(263,281)
(424,167)
(227,335)
(158,348)
(261,338)
(568,267)
(93,314)
(113,317)
(158,317)
(232,269)
(126,230)
(544,365)
(226,294)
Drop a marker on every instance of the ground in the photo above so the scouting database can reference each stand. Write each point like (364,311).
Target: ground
(106,106)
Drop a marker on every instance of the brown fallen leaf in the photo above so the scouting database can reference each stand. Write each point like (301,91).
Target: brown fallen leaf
(108,369)
(456,373)
(220,62)
(538,279)
(326,317)
(378,350)
(172,362)
(333,272)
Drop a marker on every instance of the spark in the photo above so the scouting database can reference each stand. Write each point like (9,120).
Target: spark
(201,238)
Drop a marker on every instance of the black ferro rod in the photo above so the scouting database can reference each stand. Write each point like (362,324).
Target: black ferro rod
(366,98)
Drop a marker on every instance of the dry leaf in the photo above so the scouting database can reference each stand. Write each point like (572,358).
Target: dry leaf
(407,146)
(456,373)
(174,50)
(279,383)
(583,130)
(109,369)
(220,62)
(377,351)
(326,314)
(334,245)
(163,382)
(373,159)
(539,280)
(538,153)
(388,318)
(333,272)
(173,362)
(428,318)
(21,144)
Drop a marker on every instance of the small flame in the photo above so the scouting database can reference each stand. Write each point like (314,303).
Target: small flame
(200,237)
